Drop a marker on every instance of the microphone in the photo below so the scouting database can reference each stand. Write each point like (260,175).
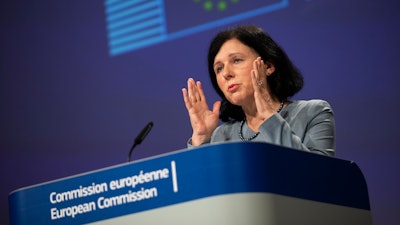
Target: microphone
(140,138)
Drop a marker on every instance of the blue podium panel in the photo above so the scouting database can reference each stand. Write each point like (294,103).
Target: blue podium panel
(230,183)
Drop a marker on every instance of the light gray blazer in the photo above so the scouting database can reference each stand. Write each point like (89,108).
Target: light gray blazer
(304,125)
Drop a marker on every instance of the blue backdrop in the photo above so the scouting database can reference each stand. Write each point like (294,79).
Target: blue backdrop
(79,80)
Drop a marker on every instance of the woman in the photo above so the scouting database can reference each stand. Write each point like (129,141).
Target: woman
(255,79)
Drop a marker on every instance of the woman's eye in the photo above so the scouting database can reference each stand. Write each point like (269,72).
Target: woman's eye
(237,60)
(218,69)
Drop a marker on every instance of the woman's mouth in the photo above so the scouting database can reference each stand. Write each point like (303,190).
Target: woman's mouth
(233,87)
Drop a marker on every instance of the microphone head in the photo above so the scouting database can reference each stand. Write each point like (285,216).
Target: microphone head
(143,133)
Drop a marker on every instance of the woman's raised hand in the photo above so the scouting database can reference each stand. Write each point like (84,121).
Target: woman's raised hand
(203,120)
(262,97)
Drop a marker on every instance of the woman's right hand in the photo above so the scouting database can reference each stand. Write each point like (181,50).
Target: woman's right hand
(203,120)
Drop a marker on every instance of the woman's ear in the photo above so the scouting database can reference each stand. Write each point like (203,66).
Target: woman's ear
(270,68)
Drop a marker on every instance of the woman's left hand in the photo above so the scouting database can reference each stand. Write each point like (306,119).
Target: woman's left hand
(262,95)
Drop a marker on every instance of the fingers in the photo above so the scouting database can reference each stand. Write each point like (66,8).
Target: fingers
(195,91)
(216,107)
(186,98)
(260,70)
(259,74)
(193,94)
(201,95)
(256,83)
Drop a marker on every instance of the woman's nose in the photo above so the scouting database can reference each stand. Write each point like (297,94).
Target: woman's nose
(227,73)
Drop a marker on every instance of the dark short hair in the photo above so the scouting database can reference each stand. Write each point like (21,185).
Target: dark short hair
(285,82)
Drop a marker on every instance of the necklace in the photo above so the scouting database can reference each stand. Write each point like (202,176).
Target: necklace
(256,134)
(241,133)
(280,107)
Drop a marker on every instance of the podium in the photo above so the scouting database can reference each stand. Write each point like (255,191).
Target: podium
(229,183)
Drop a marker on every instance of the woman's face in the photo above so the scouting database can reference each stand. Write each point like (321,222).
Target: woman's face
(232,66)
